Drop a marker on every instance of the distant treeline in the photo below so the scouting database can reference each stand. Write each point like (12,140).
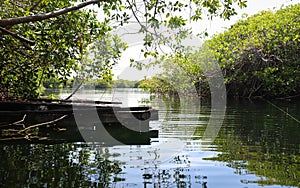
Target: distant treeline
(92,84)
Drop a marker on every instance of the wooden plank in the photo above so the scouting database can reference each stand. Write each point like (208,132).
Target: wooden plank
(73,101)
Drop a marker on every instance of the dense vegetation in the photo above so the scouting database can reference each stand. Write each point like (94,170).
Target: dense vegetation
(259,56)
(92,84)
(43,40)
(47,49)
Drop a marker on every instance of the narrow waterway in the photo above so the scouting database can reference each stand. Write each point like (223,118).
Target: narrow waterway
(258,145)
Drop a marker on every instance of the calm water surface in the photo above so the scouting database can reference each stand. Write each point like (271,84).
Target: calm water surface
(257,146)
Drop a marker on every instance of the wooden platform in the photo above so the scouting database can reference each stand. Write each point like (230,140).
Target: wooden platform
(81,120)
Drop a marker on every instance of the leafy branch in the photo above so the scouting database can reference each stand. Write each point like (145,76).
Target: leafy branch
(21,38)
(40,17)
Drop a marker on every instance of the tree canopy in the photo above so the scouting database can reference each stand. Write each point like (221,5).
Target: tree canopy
(43,39)
(259,56)
(33,51)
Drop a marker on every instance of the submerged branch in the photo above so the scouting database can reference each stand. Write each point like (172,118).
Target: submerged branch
(20,122)
(283,111)
(20,138)
(42,124)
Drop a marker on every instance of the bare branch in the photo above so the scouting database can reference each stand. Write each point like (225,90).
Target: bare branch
(155,9)
(134,14)
(23,39)
(39,17)
(42,124)
(18,138)
(76,89)
(20,122)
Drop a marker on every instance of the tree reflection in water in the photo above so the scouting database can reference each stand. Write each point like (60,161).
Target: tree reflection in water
(180,176)
(63,165)
(257,146)
(259,139)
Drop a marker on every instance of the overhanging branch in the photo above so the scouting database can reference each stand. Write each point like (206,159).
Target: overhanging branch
(39,17)
(23,39)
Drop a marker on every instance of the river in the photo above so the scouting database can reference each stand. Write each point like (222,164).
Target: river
(258,145)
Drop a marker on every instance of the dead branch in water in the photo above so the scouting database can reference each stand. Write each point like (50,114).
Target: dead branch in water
(42,124)
(20,122)
(21,138)
(76,89)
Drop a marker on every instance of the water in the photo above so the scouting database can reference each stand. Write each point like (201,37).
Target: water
(257,146)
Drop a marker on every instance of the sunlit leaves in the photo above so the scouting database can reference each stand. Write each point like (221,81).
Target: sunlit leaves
(176,21)
(260,55)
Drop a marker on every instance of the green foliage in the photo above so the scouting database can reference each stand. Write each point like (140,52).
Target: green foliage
(55,84)
(33,50)
(260,55)
(185,74)
(60,43)
(157,85)
(100,57)
(120,83)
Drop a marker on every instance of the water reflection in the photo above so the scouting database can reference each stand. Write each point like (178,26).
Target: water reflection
(65,165)
(259,139)
(258,145)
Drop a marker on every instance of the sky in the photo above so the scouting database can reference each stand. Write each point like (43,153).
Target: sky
(123,70)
